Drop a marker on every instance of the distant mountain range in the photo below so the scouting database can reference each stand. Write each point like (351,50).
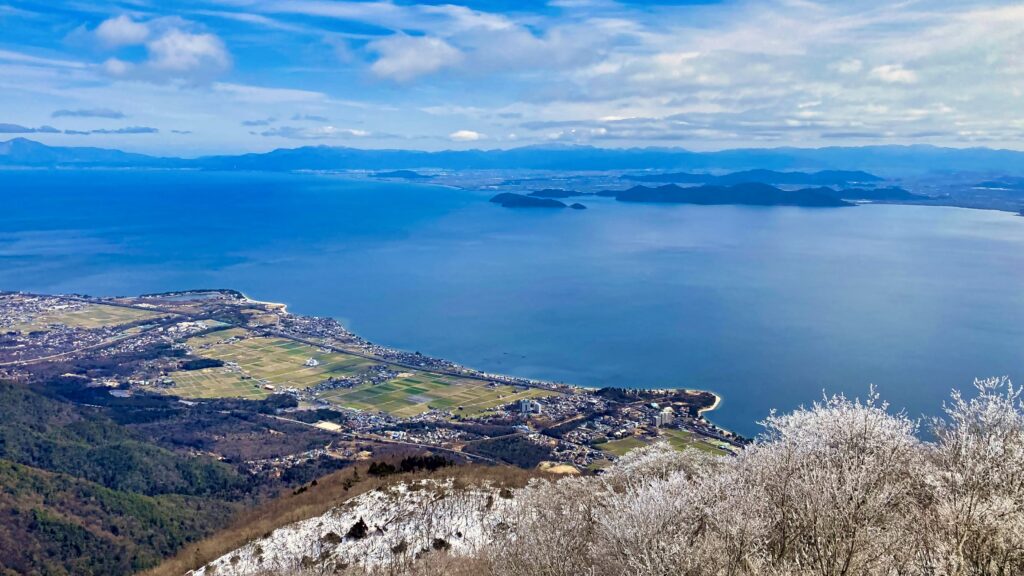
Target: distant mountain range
(884,160)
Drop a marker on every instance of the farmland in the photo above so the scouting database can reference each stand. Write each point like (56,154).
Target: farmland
(90,316)
(255,363)
(413,393)
(678,439)
(620,447)
(260,361)
(683,439)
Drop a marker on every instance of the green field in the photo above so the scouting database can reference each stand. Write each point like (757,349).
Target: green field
(683,439)
(678,439)
(620,447)
(281,363)
(416,392)
(274,361)
(90,316)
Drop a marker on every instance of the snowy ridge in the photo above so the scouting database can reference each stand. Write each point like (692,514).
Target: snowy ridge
(402,521)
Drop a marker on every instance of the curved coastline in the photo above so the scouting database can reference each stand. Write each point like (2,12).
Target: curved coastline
(279,305)
(701,412)
(714,406)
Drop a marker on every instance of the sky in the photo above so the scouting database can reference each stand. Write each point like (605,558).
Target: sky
(191,77)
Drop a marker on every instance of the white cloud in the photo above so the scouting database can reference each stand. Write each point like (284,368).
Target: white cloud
(402,57)
(263,95)
(757,72)
(465,136)
(175,49)
(183,52)
(894,74)
(122,31)
(9,56)
(116,67)
(315,133)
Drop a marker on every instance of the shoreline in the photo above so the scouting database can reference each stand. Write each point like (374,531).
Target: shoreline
(700,411)
(714,406)
(279,305)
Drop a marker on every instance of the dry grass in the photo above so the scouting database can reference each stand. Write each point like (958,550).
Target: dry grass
(328,492)
(88,317)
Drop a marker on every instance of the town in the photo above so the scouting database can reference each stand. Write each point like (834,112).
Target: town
(210,345)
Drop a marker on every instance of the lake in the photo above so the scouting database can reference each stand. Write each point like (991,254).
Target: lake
(768,307)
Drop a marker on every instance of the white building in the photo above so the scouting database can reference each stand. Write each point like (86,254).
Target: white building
(312,362)
(527,407)
(664,418)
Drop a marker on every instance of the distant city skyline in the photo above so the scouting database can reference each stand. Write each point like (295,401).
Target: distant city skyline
(226,76)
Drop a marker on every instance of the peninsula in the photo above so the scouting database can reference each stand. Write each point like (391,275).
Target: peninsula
(219,344)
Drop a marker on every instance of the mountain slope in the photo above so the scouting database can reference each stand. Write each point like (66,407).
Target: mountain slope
(59,524)
(842,487)
(79,494)
(387,528)
(25,152)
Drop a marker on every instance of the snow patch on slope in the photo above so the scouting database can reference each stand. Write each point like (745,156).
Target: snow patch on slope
(402,521)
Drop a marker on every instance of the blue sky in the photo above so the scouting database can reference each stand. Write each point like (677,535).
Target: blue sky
(207,76)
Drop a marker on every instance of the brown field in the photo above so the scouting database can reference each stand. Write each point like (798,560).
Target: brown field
(89,316)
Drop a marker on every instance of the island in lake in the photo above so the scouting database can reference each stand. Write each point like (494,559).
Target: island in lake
(744,194)
(749,194)
(512,200)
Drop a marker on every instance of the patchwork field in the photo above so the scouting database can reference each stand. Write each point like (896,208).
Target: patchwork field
(281,363)
(260,361)
(415,393)
(90,316)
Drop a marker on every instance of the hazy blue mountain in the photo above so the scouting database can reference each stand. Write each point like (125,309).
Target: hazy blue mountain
(884,160)
(25,152)
(750,194)
(510,200)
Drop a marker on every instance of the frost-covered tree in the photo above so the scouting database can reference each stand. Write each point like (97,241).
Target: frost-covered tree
(975,515)
(553,525)
(842,488)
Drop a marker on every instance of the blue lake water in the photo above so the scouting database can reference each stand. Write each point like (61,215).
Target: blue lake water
(766,306)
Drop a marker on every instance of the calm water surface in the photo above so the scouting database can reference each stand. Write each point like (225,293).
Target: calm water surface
(766,306)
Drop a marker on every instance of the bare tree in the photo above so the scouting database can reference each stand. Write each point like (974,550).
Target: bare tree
(842,488)
(976,513)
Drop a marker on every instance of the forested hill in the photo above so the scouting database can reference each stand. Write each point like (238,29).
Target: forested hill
(82,495)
